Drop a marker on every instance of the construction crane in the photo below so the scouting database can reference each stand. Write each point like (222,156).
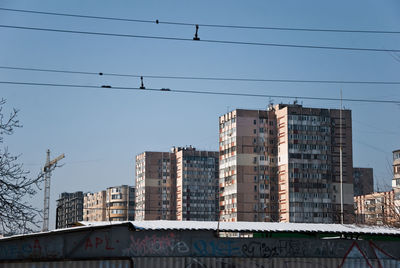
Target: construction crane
(47,174)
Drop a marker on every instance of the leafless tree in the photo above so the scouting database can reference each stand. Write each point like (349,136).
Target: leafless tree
(17,215)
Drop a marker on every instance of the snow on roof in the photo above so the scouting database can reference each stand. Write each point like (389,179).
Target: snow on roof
(256,227)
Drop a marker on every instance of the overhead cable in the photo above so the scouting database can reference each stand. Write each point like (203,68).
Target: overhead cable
(203,77)
(203,24)
(202,40)
(204,92)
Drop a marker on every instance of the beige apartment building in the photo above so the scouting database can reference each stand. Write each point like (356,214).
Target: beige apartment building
(381,207)
(177,185)
(113,204)
(282,164)
(376,208)
(120,203)
(94,206)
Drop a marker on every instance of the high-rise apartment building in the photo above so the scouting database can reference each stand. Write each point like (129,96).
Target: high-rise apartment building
(248,166)
(155,186)
(283,164)
(181,184)
(363,179)
(396,169)
(69,209)
(94,206)
(196,184)
(120,203)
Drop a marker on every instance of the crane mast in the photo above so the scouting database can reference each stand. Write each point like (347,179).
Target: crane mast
(47,175)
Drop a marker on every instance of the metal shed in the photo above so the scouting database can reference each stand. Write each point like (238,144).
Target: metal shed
(204,244)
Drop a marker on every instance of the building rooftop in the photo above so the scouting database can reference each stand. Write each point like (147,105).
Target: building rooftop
(268,227)
(240,227)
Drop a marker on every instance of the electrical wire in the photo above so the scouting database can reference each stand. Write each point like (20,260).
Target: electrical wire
(123,208)
(167,90)
(202,24)
(200,40)
(204,78)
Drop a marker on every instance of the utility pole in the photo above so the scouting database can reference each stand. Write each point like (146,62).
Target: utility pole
(47,174)
(341,161)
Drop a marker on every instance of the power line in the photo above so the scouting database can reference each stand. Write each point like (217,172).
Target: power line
(173,210)
(202,24)
(167,90)
(200,40)
(204,78)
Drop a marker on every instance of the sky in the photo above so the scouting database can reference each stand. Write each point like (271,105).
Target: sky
(102,130)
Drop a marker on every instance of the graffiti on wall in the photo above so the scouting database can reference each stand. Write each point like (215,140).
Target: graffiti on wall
(32,248)
(167,244)
(357,255)
(98,242)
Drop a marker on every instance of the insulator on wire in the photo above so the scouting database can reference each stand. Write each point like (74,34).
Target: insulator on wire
(196,37)
(141,83)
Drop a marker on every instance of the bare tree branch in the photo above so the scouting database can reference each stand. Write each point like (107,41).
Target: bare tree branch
(17,214)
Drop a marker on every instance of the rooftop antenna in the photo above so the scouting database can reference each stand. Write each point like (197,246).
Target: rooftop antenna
(47,174)
(270,103)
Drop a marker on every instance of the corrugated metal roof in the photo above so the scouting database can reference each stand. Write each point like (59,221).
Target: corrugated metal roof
(257,227)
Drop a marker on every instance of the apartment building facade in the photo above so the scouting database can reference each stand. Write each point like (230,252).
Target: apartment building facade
(177,185)
(69,209)
(363,179)
(381,208)
(196,184)
(155,186)
(94,206)
(248,166)
(396,169)
(283,164)
(120,203)
(377,208)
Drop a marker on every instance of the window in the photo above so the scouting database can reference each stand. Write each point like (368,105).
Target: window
(116,190)
(255,122)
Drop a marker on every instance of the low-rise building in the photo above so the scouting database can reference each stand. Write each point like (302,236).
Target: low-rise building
(376,208)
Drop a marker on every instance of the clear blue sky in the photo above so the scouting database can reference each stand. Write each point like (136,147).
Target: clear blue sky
(101,131)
